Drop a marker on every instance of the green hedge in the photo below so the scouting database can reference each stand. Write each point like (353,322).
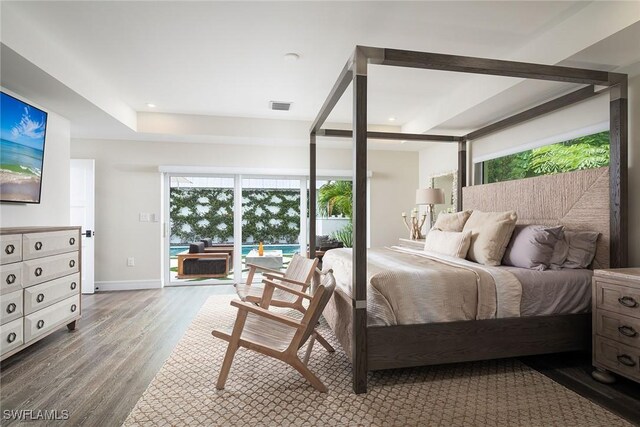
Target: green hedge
(269,215)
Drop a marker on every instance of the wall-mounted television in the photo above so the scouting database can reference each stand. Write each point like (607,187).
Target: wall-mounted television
(23,128)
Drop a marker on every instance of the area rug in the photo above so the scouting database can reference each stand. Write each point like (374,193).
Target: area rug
(262,391)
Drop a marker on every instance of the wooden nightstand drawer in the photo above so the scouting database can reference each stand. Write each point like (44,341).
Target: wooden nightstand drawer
(617,298)
(618,357)
(618,327)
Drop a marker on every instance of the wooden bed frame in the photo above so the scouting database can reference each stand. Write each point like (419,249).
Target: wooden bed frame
(386,347)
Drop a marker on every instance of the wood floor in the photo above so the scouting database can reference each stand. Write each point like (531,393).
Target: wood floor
(99,371)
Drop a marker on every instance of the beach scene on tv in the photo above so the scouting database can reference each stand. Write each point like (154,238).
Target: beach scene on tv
(22,134)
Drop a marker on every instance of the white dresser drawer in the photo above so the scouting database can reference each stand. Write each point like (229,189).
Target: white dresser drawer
(11,305)
(42,321)
(44,269)
(10,278)
(43,295)
(36,245)
(11,335)
(10,248)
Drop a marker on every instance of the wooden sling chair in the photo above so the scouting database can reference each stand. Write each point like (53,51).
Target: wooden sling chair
(298,276)
(277,335)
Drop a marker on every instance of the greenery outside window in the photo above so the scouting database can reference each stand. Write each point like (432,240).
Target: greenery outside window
(586,152)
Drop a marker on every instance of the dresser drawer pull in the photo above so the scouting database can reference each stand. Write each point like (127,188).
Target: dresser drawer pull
(11,308)
(9,249)
(73,285)
(38,246)
(72,263)
(72,241)
(40,297)
(628,302)
(40,324)
(626,360)
(627,331)
(73,308)
(11,279)
(11,337)
(38,272)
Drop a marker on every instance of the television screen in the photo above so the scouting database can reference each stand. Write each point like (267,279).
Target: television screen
(22,133)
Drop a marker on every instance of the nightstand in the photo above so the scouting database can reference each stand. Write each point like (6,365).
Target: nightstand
(411,244)
(616,324)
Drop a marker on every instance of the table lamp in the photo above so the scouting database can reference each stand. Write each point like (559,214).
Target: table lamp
(430,197)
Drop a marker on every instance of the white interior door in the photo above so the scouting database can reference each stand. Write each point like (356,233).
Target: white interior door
(83,214)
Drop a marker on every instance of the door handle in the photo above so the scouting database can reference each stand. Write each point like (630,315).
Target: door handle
(89,233)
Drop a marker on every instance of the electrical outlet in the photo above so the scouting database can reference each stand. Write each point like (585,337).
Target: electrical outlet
(131,261)
(144,217)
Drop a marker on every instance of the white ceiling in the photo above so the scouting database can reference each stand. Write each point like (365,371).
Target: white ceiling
(226,58)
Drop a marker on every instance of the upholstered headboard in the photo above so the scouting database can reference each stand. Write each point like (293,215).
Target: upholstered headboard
(578,200)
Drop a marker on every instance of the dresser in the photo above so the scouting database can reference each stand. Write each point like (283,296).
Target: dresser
(616,324)
(40,270)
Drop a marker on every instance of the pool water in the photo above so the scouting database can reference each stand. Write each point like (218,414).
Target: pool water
(286,249)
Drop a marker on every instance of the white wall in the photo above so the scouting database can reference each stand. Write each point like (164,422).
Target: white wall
(128,183)
(551,128)
(53,209)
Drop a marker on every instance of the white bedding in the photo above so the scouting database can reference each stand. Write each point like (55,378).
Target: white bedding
(406,286)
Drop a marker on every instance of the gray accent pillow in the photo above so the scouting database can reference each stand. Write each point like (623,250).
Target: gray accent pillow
(531,246)
(576,250)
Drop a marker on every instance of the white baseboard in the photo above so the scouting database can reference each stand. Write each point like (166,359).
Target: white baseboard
(128,285)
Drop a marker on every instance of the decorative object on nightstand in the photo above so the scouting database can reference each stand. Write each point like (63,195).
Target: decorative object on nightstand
(430,197)
(616,324)
(415,225)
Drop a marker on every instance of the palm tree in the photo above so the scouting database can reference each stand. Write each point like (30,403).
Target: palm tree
(335,198)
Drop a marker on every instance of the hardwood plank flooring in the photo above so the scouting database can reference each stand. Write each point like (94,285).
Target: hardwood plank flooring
(99,371)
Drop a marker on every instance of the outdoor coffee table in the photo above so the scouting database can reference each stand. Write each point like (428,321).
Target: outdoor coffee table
(271,259)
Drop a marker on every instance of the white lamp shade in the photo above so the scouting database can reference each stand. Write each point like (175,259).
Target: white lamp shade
(429,196)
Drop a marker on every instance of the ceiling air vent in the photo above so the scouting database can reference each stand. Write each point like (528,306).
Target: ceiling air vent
(279,106)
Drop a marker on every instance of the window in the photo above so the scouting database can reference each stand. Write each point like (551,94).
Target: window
(586,152)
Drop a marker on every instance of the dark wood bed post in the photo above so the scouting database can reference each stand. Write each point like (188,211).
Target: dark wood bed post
(618,171)
(359,253)
(312,195)
(462,172)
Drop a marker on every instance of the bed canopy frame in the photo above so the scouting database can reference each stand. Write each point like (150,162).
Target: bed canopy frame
(355,73)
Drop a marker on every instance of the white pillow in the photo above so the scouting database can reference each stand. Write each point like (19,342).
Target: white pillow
(490,234)
(452,243)
(452,221)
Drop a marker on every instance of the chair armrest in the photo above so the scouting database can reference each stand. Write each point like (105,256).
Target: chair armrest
(261,268)
(286,279)
(268,283)
(265,313)
(204,255)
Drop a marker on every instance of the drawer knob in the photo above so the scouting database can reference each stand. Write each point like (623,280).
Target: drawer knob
(38,246)
(626,360)
(72,263)
(74,308)
(11,279)
(40,297)
(38,272)
(72,241)
(627,331)
(74,285)
(9,249)
(629,302)
(11,337)
(40,324)
(11,308)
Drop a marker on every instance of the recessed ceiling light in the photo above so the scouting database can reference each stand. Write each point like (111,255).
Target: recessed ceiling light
(392,119)
(150,105)
(403,141)
(291,57)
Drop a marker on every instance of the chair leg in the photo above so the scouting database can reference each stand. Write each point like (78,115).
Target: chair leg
(310,376)
(324,342)
(226,366)
(312,340)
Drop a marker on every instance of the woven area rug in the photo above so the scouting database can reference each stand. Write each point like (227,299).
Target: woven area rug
(266,392)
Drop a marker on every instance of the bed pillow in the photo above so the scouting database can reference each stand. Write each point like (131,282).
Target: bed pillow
(532,246)
(452,243)
(490,234)
(576,250)
(452,221)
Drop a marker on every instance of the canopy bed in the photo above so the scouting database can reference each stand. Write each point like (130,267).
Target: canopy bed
(590,199)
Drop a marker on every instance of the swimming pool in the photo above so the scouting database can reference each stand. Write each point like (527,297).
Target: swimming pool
(286,249)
